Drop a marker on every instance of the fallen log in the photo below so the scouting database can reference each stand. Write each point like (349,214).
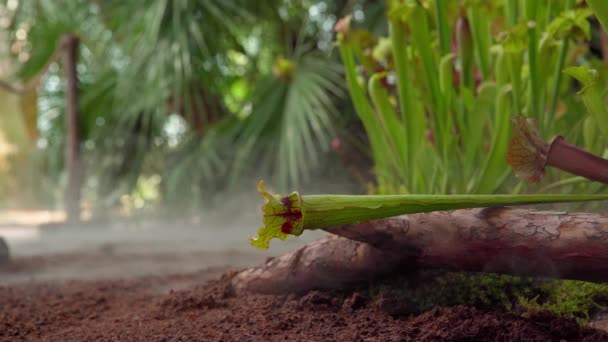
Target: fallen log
(329,262)
(499,240)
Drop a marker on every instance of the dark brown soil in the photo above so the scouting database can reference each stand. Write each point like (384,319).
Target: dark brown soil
(175,308)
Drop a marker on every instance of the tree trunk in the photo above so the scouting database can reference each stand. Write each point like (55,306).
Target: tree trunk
(5,256)
(69,47)
(498,240)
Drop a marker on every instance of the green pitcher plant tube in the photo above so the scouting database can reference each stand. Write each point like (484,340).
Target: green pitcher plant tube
(287,215)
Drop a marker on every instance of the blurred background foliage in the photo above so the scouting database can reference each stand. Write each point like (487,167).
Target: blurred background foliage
(180,100)
(183,101)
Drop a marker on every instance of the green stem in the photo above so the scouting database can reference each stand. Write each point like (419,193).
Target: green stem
(447,91)
(323,211)
(292,214)
(442,25)
(366,113)
(494,166)
(514,61)
(393,130)
(421,38)
(511,12)
(413,121)
(465,52)
(557,73)
(481,40)
(531,6)
(557,77)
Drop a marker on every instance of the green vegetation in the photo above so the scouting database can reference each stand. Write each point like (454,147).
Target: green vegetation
(425,289)
(438,119)
(180,92)
(570,298)
(441,122)
(183,100)
(176,95)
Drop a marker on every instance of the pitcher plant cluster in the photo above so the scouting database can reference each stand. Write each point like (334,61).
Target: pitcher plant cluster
(439,108)
(437,95)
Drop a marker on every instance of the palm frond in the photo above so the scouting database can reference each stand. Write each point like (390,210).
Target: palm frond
(291,121)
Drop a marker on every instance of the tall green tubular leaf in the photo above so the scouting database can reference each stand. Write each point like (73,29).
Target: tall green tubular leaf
(380,150)
(292,214)
(446,76)
(542,15)
(495,168)
(441,17)
(547,58)
(600,9)
(421,37)
(501,67)
(393,130)
(473,137)
(531,9)
(480,27)
(511,12)
(515,63)
(514,44)
(577,22)
(592,95)
(447,91)
(464,39)
(397,36)
(412,119)
(557,77)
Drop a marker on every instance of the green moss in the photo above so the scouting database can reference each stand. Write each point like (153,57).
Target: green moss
(427,289)
(570,298)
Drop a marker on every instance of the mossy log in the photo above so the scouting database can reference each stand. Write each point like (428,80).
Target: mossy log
(498,240)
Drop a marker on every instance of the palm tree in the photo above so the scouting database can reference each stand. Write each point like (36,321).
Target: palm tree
(247,82)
